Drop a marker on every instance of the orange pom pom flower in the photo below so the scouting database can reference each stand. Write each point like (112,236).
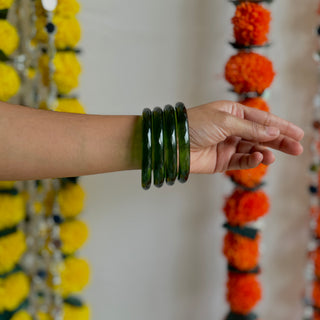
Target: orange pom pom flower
(316,293)
(249,178)
(241,252)
(257,103)
(244,292)
(249,72)
(245,206)
(251,24)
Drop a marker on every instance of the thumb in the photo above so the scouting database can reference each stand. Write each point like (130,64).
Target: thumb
(249,130)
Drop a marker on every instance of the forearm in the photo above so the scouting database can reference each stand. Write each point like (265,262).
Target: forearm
(38,144)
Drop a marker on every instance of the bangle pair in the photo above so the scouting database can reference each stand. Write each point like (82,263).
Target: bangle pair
(164,133)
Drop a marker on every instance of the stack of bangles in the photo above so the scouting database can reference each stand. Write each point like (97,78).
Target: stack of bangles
(164,133)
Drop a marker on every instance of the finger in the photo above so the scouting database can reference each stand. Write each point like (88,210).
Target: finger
(245,129)
(268,119)
(240,161)
(286,145)
(249,147)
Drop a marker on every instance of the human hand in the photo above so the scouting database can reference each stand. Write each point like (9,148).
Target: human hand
(226,135)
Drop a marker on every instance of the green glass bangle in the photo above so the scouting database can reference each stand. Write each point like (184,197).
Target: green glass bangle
(157,147)
(170,144)
(146,149)
(184,142)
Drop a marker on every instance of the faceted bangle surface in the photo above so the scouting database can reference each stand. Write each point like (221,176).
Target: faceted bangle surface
(170,145)
(183,141)
(146,149)
(157,147)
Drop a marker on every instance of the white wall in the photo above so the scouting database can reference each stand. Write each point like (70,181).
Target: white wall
(157,254)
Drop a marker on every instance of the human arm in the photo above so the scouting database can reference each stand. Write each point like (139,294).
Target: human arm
(38,144)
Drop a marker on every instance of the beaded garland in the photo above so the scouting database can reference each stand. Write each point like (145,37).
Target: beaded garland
(250,74)
(40,235)
(14,282)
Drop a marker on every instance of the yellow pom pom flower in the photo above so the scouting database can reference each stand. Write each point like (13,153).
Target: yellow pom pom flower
(12,247)
(68,31)
(12,210)
(72,312)
(67,71)
(7,184)
(69,105)
(9,38)
(5,4)
(74,275)
(9,82)
(13,291)
(73,235)
(71,200)
(21,315)
(65,8)
(69,313)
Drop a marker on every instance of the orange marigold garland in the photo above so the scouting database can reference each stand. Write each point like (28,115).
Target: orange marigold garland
(250,74)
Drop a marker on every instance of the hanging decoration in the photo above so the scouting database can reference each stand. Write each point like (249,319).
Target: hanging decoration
(312,293)
(250,75)
(41,274)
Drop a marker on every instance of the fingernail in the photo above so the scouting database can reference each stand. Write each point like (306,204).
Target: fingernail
(272,131)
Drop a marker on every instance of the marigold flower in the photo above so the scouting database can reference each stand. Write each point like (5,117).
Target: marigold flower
(12,210)
(14,289)
(251,24)
(9,38)
(67,71)
(5,4)
(316,293)
(12,247)
(21,315)
(243,292)
(257,103)
(71,200)
(249,72)
(68,31)
(65,8)
(73,234)
(9,82)
(74,275)
(249,178)
(241,252)
(69,105)
(245,206)
(79,313)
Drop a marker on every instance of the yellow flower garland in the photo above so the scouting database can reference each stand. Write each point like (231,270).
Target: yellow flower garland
(12,210)
(12,247)
(9,38)
(73,235)
(13,291)
(9,82)
(75,274)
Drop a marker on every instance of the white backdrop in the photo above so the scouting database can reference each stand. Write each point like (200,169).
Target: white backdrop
(157,254)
